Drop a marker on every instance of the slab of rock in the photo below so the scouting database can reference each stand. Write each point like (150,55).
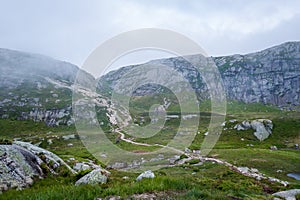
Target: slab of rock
(20,162)
(97,176)
(17,167)
(146,174)
(288,194)
(49,155)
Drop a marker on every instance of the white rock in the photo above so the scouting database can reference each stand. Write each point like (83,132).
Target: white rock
(94,177)
(146,174)
(288,194)
(81,167)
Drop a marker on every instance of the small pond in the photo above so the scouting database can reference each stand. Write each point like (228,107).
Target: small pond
(294,175)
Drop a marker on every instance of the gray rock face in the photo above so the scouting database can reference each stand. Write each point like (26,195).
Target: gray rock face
(288,194)
(97,176)
(17,167)
(48,155)
(53,117)
(271,76)
(20,163)
(263,127)
(146,174)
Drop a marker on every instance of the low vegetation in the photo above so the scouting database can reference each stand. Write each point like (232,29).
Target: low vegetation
(206,181)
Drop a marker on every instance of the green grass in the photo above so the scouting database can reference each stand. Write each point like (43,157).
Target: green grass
(208,181)
(211,181)
(265,160)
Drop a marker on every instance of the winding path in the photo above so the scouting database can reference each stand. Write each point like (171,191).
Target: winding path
(257,175)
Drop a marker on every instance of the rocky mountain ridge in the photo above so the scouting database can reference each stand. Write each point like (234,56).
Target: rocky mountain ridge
(271,76)
(40,88)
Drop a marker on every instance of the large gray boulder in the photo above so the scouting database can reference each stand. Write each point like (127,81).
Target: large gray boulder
(20,162)
(49,156)
(288,194)
(97,176)
(18,166)
(262,127)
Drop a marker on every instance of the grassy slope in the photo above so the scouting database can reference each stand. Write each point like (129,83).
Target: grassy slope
(211,181)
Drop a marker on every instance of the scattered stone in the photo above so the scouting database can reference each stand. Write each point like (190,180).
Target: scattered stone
(68,137)
(274,148)
(71,159)
(70,144)
(196,151)
(146,174)
(187,150)
(81,166)
(103,155)
(118,165)
(125,177)
(232,120)
(144,196)
(97,176)
(206,133)
(49,141)
(288,194)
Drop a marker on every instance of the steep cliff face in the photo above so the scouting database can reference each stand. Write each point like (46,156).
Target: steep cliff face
(37,87)
(271,76)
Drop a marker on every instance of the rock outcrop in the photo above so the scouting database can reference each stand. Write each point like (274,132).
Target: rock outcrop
(271,76)
(21,162)
(262,127)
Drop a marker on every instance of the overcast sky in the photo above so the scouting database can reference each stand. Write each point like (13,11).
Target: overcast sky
(69,30)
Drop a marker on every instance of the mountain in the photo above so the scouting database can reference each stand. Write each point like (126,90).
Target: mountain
(37,87)
(271,76)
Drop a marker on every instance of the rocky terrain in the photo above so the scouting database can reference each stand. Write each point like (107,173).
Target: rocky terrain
(271,76)
(39,88)
(22,162)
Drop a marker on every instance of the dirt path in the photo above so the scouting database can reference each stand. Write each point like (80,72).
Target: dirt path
(253,173)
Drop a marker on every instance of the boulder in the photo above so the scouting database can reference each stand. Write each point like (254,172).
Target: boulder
(288,194)
(97,176)
(262,127)
(49,156)
(146,174)
(21,162)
